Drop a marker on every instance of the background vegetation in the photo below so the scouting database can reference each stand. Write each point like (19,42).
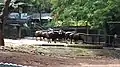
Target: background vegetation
(78,12)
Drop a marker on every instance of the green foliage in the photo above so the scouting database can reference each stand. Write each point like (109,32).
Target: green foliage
(95,12)
(43,5)
(78,12)
(49,25)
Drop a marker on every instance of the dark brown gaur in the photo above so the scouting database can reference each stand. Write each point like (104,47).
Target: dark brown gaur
(38,34)
(76,37)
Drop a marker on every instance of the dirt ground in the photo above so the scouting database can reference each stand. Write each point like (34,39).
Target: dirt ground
(49,56)
(45,61)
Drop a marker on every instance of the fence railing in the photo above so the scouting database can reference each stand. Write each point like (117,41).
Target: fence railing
(101,38)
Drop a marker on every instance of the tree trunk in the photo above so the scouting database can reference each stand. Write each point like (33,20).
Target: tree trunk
(1,35)
(3,18)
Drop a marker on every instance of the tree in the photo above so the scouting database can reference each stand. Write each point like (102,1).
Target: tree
(40,5)
(3,18)
(95,12)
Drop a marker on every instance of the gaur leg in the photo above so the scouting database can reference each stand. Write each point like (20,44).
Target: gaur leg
(60,39)
(66,41)
(44,38)
(75,41)
(49,41)
(40,39)
(54,40)
(36,39)
(82,41)
(70,40)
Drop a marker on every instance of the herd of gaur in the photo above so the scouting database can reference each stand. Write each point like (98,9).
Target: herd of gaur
(59,35)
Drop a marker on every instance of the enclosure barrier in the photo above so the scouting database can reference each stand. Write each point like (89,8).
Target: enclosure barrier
(100,39)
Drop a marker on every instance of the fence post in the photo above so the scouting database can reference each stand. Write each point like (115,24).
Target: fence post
(106,36)
(99,36)
(115,36)
(87,31)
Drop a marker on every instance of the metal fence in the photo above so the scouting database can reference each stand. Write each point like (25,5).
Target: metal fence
(94,39)
(101,39)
